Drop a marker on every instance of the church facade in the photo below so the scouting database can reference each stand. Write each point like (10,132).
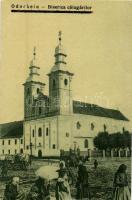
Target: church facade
(57,121)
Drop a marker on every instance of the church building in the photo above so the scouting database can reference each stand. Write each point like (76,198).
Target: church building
(56,121)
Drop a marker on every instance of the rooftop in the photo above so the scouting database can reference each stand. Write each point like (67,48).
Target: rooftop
(11,129)
(95,110)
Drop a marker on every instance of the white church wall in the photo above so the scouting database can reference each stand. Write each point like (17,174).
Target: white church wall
(47,141)
(65,132)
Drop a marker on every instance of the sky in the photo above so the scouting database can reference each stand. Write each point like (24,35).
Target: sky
(98,45)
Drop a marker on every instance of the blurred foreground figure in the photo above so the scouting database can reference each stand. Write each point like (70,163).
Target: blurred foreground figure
(62,186)
(39,190)
(82,184)
(13,190)
(121,189)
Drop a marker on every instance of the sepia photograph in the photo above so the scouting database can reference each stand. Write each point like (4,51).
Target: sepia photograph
(65,106)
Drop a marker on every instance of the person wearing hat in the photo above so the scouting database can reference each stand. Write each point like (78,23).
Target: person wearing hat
(13,191)
(121,189)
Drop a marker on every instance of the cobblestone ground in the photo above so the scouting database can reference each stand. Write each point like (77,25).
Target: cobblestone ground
(100,180)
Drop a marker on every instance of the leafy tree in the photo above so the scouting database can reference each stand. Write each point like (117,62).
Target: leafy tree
(101,141)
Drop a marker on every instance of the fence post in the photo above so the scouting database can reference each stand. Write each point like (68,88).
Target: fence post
(104,154)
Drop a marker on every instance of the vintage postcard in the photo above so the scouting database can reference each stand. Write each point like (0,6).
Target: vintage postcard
(65,106)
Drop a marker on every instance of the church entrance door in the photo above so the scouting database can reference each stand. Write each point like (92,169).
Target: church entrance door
(39,153)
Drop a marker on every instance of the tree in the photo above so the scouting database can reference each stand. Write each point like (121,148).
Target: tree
(101,141)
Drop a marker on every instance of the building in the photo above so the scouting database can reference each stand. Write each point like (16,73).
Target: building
(57,121)
(11,138)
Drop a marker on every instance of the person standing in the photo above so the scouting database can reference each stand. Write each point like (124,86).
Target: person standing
(82,184)
(62,187)
(121,189)
(13,190)
(95,164)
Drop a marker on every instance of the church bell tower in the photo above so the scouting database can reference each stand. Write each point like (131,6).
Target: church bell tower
(60,83)
(32,87)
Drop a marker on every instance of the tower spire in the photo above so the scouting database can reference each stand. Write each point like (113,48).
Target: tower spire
(34,53)
(60,34)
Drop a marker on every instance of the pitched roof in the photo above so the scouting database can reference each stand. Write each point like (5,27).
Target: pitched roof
(95,110)
(11,129)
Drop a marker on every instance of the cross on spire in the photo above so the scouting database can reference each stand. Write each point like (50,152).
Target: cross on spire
(34,53)
(60,34)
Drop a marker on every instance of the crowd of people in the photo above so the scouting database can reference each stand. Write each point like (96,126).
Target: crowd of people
(41,188)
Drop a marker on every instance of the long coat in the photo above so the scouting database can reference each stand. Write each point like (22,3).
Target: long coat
(82,184)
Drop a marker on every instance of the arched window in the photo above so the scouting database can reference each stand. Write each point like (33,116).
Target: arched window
(21,150)
(92,126)
(40,110)
(40,132)
(33,133)
(37,90)
(67,134)
(105,127)
(65,81)
(78,125)
(123,129)
(54,83)
(86,143)
(28,91)
(47,131)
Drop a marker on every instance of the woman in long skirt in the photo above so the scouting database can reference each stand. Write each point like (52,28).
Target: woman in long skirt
(62,187)
(121,189)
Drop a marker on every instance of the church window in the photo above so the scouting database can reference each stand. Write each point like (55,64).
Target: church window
(15,141)
(78,125)
(9,142)
(47,131)
(66,82)
(21,150)
(21,141)
(39,144)
(54,83)
(40,110)
(33,109)
(92,126)
(53,146)
(15,151)
(37,90)
(9,151)
(40,132)
(27,147)
(3,151)
(67,134)
(105,127)
(3,142)
(28,91)
(123,129)
(33,133)
(86,143)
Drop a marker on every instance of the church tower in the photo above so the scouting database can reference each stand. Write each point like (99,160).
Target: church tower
(60,83)
(32,87)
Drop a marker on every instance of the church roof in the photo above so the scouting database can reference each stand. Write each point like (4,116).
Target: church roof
(95,110)
(11,129)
